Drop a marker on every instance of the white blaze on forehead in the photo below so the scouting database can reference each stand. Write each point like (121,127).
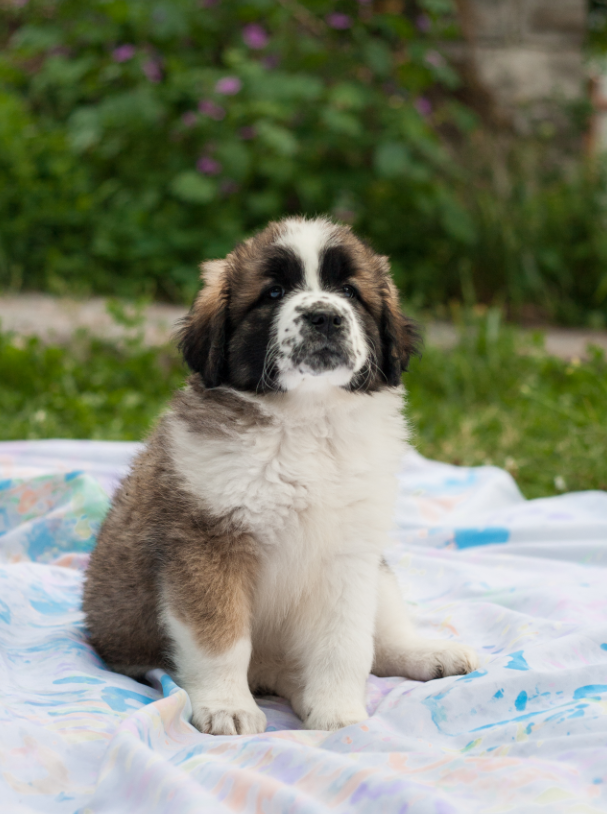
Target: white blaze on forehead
(307,238)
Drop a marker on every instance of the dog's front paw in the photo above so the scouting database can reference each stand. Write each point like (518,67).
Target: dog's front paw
(431,658)
(227,719)
(329,719)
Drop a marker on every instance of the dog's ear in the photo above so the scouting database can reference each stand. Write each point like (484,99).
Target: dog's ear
(202,336)
(400,336)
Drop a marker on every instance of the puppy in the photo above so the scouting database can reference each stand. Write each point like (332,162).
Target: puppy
(243,553)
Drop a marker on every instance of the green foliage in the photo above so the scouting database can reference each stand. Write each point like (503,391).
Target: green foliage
(92,389)
(540,235)
(498,399)
(160,133)
(493,399)
(139,137)
(597,25)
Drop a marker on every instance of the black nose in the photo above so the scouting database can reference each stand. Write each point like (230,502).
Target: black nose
(325,322)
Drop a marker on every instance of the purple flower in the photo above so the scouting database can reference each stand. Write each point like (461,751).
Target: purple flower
(271,61)
(152,68)
(339,21)
(123,53)
(423,106)
(228,86)
(435,59)
(211,109)
(423,23)
(247,133)
(255,36)
(189,119)
(20,3)
(208,166)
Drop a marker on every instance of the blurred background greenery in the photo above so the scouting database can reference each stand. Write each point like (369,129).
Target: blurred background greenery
(138,137)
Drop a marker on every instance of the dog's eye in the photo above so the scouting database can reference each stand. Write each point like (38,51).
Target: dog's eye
(277,292)
(348,291)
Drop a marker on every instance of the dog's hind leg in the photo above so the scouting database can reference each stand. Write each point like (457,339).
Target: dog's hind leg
(400,651)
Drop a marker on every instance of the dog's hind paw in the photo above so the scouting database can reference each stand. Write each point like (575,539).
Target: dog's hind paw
(425,659)
(432,658)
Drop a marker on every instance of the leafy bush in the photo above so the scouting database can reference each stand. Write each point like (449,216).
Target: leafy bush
(138,137)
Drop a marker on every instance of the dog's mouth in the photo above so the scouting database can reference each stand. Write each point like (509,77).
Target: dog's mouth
(327,359)
(322,357)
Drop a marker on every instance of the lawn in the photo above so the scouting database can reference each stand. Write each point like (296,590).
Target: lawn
(500,399)
(495,398)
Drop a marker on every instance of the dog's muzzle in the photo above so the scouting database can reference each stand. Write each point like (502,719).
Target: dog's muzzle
(325,342)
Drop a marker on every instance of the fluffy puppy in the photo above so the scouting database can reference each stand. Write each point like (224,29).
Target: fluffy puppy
(243,553)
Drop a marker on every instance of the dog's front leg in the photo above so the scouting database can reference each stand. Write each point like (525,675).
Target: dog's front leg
(207,602)
(336,646)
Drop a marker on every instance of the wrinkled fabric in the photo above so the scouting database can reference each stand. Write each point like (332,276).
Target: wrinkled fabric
(522,581)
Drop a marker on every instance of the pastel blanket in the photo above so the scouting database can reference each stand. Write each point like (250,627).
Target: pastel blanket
(525,582)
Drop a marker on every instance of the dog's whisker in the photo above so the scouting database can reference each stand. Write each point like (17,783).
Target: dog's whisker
(265,382)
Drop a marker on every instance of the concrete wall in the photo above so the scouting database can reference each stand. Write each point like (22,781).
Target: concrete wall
(525,52)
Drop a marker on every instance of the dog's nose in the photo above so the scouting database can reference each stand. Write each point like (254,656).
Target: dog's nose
(325,322)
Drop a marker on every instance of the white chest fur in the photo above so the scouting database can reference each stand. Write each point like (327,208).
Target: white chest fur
(321,460)
(316,486)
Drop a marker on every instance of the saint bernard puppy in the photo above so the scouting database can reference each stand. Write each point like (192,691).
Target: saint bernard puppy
(243,552)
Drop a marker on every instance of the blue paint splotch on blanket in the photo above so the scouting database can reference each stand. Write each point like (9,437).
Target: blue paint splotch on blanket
(522,581)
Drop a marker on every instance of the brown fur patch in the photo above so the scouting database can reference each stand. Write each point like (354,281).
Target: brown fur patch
(202,336)
(381,315)
(371,270)
(231,288)
(246,270)
(121,589)
(157,544)
(209,585)
(216,412)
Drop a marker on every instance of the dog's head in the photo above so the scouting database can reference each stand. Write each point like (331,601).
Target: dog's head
(302,301)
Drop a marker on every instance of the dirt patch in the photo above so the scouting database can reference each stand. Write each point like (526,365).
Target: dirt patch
(56,319)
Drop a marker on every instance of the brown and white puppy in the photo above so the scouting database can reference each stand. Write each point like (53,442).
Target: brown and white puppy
(243,552)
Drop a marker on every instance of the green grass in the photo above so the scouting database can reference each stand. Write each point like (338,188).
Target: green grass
(493,399)
(498,399)
(91,389)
